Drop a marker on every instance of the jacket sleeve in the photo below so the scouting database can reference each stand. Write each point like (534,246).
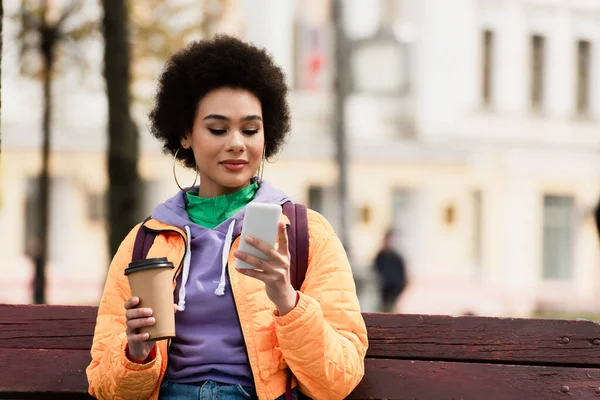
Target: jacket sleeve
(111,375)
(324,338)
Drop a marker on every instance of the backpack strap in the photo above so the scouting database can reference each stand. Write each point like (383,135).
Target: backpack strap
(143,241)
(297,242)
(298,246)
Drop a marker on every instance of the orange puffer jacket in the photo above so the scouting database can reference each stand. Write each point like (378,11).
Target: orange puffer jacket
(323,339)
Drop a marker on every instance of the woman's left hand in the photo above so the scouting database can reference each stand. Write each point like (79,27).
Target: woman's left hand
(274,272)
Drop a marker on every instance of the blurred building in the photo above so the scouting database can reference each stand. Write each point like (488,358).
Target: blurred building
(474,131)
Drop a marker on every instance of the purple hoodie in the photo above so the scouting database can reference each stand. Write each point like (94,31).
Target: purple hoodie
(209,344)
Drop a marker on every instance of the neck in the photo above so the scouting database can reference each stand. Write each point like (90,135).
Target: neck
(213,189)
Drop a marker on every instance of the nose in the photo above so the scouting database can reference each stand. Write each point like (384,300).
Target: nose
(236,143)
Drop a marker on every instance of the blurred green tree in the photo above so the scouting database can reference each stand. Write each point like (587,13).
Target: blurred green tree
(48,34)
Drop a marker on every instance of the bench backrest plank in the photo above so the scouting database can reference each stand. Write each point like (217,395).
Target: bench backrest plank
(507,340)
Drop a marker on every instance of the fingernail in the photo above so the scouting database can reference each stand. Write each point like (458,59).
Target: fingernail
(238,254)
(152,320)
(249,239)
(148,312)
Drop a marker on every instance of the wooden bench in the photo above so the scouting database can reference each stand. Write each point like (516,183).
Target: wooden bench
(44,351)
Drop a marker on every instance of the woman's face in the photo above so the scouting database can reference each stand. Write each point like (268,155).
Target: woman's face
(227,140)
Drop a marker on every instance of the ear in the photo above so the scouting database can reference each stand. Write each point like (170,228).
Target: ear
(186,141)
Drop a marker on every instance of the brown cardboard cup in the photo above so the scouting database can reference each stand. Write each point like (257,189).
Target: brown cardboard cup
(152,281)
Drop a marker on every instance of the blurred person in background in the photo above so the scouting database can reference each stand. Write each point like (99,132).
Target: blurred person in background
(221,109)
(391,269)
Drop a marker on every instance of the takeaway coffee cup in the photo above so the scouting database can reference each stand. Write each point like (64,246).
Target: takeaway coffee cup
(152,281)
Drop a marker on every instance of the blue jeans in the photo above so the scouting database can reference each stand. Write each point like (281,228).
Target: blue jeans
(210,390)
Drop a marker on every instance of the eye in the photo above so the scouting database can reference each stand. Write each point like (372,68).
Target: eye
(250,131)
(217,131)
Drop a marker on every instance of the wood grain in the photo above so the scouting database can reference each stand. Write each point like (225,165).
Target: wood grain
(427,380)
(39,371)
(481,339)
(47,327)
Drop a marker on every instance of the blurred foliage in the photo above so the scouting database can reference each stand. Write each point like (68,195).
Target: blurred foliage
(44,24)
(160,28)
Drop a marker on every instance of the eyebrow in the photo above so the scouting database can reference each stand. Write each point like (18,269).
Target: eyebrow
(224,118)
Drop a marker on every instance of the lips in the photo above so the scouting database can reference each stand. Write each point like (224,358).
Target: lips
(234,165)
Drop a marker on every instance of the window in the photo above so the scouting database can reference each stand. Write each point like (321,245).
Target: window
(312,57)
(96,206)
(381,66)
(324,200)
(488,64)
(583,76)
(403,213)
(558,237)
(538,44)
(315,198)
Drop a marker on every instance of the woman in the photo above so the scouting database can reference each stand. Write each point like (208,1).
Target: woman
(221,109)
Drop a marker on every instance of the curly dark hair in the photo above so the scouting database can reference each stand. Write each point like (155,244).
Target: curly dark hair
(205,65)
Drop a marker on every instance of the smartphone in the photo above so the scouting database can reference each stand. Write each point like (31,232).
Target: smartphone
(261,221)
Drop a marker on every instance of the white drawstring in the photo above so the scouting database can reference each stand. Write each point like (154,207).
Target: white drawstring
(220,291)
(186,270)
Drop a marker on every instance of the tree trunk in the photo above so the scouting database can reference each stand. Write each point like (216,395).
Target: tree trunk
(123,191)
(41,253)
(342,89)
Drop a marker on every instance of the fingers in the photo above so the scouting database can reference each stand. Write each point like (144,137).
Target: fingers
(139,337)
(283,240)
(260,275)
(138,313)
(250,259)
(132,302)
(175,307)
(263,246)
(268,277)
(137,318)
(137,323)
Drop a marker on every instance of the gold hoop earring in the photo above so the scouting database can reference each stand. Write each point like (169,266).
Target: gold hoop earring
(261,168)
(175,174)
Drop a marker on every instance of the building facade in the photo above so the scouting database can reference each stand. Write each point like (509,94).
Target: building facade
(473,131)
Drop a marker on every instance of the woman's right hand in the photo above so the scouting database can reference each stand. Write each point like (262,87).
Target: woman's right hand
(139,345)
